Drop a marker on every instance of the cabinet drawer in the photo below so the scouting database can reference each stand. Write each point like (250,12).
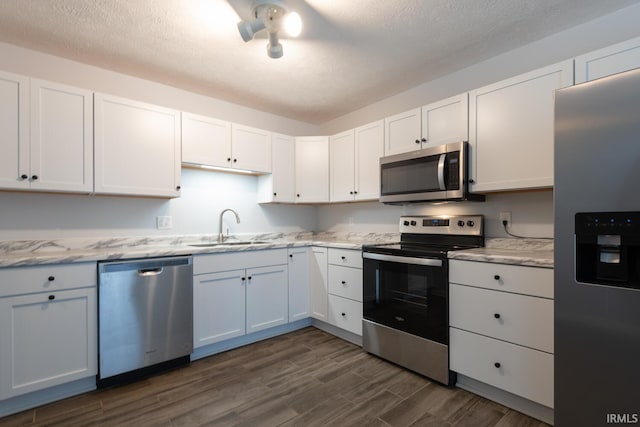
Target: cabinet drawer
(345,282)
(345,257)
(346,314)
(519,319)
(47,278)
(519,279)
(518,370)
(227,261)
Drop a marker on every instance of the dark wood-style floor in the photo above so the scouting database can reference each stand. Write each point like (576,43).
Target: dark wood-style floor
(305,378)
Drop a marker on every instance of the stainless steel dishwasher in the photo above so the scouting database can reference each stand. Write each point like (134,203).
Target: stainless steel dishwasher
(145,317)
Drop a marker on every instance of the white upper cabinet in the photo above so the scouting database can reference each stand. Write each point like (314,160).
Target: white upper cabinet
(342,162)
(440,122)
(61,137)
(446,121)
(355,163)
(402,132)
(218,143)
(312,169)
(511,130)
(369,148)
(205,140)
(280,185)
(137,148)
(14,131)
(610,60)
(250,148)
(46,133)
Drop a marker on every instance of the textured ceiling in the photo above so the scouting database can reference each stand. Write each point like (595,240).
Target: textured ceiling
(351,53)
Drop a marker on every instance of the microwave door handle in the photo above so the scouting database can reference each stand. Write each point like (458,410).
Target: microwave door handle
(441,161)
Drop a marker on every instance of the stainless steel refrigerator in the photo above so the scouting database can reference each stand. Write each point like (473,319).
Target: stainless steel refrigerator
(597,252)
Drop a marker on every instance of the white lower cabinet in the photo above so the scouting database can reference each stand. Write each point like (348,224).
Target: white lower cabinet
(299,298)
(48,327)
(514,368)
(267,298)
(318,283)
(345,289)
(218,307)
(238,293)
(501,327)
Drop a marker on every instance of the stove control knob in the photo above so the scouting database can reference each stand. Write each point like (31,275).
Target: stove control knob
(414,223)
(405,223)
(471,223)
(461,223)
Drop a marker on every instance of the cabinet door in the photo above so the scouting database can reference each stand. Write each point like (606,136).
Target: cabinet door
(312,169)
(206,141)
(218,307)
(511,122)
(402,132)
(318,283)
(267,297)
(250,148)
(14,131)
(341,181)
(61,137)
(137,148)
(610,60)
(283,162)
(446,121)
(369,148)
(298,284)
(345,314)
(47,339)
(279,186)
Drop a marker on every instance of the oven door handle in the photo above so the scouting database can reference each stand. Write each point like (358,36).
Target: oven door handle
(431,262)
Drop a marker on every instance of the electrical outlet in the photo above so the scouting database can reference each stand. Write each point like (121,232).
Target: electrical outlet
(505,216)
(164,222)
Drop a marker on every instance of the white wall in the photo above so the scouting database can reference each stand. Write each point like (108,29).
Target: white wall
(36,64)
(204,195)
(532,214)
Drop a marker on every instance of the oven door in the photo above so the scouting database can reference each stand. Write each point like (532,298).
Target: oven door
(408,294)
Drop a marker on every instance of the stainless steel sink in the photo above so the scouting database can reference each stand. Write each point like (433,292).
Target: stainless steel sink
(235,243)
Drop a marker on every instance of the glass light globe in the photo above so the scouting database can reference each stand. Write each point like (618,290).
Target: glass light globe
(293,24)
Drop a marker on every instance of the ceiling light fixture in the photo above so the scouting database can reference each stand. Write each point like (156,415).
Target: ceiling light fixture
(273,16)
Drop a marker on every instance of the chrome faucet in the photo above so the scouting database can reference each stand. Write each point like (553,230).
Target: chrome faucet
(220,234)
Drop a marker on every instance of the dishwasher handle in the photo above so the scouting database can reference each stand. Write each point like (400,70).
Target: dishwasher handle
(150,271)
(144,267)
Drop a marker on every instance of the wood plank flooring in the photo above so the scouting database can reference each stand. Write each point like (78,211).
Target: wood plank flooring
(305,378)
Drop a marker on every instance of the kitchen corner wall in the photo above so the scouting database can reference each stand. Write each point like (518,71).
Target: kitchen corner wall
(531,211)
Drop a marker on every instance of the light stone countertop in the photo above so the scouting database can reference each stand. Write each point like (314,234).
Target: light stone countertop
(527,252)
(41,252)
(530,252)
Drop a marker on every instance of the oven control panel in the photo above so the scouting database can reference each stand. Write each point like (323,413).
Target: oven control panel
(469,225)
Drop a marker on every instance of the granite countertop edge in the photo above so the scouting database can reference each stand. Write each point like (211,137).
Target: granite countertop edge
(532,252)
(524,252)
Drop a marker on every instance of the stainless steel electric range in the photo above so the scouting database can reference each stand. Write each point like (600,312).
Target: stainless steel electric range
(406,292)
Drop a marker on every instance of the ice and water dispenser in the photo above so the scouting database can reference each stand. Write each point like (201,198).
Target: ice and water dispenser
(608,248)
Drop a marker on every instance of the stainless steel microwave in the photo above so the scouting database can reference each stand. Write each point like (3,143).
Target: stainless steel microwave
(438,173)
